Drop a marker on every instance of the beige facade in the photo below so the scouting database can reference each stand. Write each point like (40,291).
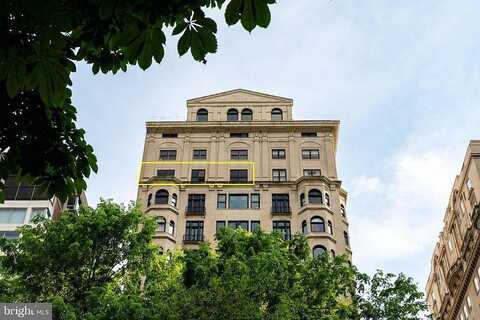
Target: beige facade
(241,160)
(453,286)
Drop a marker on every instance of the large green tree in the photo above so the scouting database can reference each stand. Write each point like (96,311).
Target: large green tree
(42,41)
(100,264)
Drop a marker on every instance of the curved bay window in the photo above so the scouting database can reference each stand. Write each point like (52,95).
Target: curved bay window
(202,115)
(171,228)
(247,115)
(327,199)
(277,114)
(315,196)
(161,197)
(318,251)
(304,227)
(232,115)
(161,224)
(317,224)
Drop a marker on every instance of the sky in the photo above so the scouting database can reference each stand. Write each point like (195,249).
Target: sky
(401,76)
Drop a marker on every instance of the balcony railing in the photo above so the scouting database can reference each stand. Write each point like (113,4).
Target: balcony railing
(193,238)
(281,209)
(195,210)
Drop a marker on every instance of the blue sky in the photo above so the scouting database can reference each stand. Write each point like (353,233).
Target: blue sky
(401,76)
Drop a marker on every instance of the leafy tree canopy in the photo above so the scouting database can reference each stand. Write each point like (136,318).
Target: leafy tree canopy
(100,264)
(42,40)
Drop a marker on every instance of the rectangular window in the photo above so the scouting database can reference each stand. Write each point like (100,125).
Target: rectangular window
(254,225)
(309,134)
(310,154)
(198,175)
(238,201)
(11,235)
(40,212)
(220,225)
(168,154)
(12,215)
(255,201)
(238,224)
(239,154)
(196,203)
(282,227)
(278,153)
(169,135)
(469,184)
(194,231)
(279,175)
(221,201)
(166,174)
(477,284)
(200,154)
(280,203)
(311,172)
(239,175)
(238,134)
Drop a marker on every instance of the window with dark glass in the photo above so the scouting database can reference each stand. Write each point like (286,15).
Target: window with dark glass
(304,227)
(239,154)
(347,240)
(238,224)
(232,115)
(169,135)
(278,153)
(247,115)
(254,225)
(196,203)
(166,173)
(282,227)
(333,253)
(255,201)
(161,197)
(280,203)
(309,134)
(161,224)
(342,210)
(173,202)
(238,134)
(310,154)
(199,154)
(315,196)
(317,224)
(302,199)
(239,175)
(202,115)
(220,225)
(168,154)
(194,231)
(327,199)
(279,175)
(171,228)
(277,114)
(198,175)
(330,227)
(149,201)
(318,251)
(238,201)
(311,172)
(221,201)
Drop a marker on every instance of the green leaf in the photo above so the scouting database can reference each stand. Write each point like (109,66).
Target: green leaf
(197,49)
(209,41)
(248,17)
(184,42)
(95,68)
(145,58)
(180,27)
(15,78)
(262,13)
(232,13)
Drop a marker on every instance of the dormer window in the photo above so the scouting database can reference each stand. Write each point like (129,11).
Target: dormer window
(232,115)
(277,114)
(247,115)
(202,115)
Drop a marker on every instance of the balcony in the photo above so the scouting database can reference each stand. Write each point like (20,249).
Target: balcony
(195,210)
(281,210)
(193,238)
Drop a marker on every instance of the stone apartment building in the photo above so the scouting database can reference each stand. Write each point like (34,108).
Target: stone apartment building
(240,160)
(23,201)
(453,286)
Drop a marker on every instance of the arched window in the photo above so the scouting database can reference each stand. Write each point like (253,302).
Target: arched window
(173,202)
(345,236)
(302,199)
(161,224)
(202,115)
(232,115)
(327,199)
(161,197)
(319,250)
(247,115)
(149,201)
(330,227)
(277,114)
(342,210)
(171,228)
(315,196)
(304,227)
(317,224)
(333,253)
